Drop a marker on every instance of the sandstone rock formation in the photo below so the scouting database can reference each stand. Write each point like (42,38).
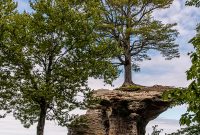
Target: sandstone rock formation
(122,112)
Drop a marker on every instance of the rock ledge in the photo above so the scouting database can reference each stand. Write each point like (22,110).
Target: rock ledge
(122,112)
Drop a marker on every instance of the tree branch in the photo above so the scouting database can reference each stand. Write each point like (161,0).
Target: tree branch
(121,60)
(143,44)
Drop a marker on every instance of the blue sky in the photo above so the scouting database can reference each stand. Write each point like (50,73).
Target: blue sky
(157,71)
(23,5)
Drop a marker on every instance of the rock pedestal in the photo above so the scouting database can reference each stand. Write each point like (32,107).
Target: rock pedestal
(122,112)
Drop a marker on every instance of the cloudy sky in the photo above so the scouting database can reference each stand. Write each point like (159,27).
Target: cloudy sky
(157,71)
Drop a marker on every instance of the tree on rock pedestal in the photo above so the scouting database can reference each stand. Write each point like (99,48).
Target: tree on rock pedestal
(130,24)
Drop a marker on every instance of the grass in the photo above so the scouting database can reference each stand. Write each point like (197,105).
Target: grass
(130,88)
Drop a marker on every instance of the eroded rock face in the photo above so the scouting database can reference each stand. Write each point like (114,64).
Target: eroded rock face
(123,112)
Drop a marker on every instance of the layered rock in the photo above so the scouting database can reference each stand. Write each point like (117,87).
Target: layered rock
(122,112)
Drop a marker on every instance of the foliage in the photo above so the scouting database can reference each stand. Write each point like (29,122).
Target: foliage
(7,10)
(193,3)
(46,58)
(156,131)
(130,88)
(190,95)
(131,25)
(79,125)
(191,130)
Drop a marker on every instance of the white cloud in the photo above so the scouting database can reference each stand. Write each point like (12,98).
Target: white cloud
(157,71)
(99,84)
(186,17)
(168,125)
(10,126)
(164,72)
(168,121)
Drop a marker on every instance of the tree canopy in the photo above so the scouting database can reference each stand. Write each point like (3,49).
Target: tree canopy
(130,24)
(46,58)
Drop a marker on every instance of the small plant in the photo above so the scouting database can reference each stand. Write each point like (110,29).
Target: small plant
(156,131)
(130,88)
(190,130)
(80,124)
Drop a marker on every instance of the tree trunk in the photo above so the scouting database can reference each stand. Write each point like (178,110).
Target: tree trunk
(41,122)
(128,70)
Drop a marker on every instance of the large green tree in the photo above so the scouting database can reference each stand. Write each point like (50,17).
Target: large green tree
(130,24)
(46,59)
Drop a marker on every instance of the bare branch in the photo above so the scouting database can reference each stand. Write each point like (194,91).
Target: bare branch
(142,8)
(121,60)
(143,44)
